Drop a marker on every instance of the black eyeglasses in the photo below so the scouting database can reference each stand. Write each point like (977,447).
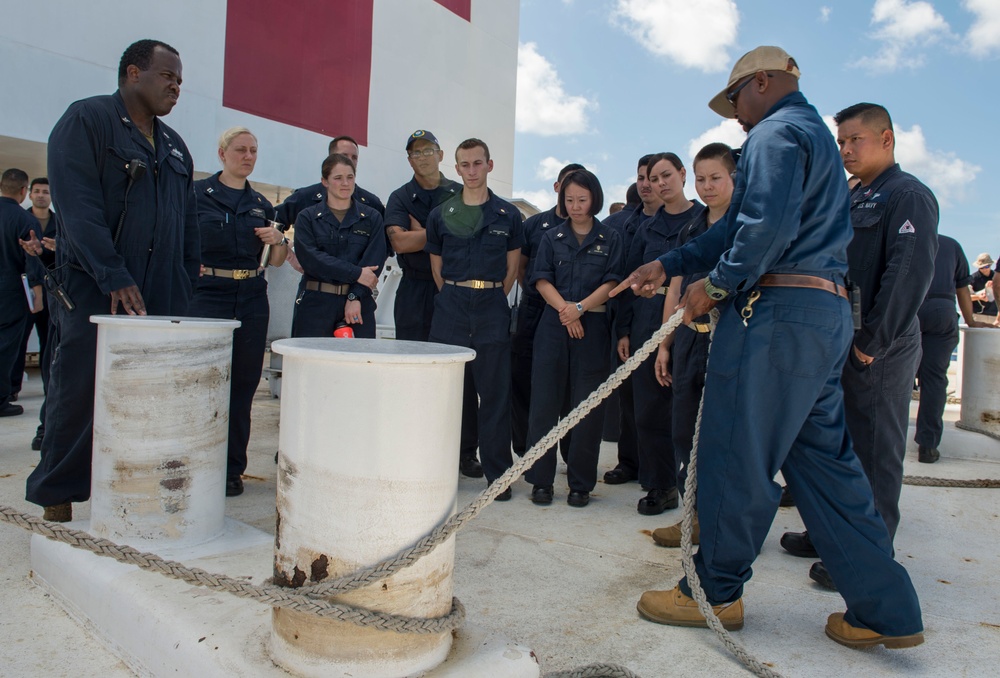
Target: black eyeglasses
(731,97)
(425,153)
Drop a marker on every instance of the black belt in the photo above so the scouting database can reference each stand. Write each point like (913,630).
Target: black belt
(949,297)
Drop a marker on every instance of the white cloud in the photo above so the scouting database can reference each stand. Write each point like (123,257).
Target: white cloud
(824,13)
(548,168)
(615,193)
(903,27)
(728,132)
(694,34)
(543,107)
(542,199)
(984,34)
(946,174)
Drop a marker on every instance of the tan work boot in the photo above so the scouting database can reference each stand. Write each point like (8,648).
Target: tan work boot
(676,609)
(60,513)
(671,536)
(838,630)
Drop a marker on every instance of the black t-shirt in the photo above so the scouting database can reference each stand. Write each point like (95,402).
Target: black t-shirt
(979,283)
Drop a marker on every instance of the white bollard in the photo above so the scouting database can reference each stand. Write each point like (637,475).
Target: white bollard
(980,409)
(161,427)
(368,464)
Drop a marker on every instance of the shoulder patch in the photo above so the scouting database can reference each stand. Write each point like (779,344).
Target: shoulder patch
(907,227)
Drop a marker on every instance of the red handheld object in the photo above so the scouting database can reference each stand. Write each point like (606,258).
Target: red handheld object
(343,331)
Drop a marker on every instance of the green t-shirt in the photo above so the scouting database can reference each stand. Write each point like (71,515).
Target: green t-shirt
(463,221)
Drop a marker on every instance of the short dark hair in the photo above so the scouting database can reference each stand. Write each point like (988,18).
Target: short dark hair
(335,159)
(644,161)
(717,151)
(38,180)
(469,144)
(337,140)
(672,158)
(572,167)
(632,195)
(12,181)
(140,55)
(871,115)
(584,179)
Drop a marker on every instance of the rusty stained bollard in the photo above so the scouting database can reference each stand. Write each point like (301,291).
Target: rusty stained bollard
(368,464)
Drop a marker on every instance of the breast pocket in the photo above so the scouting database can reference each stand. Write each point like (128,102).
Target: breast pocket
(593,269)
(215,234)
(496,240)
(247,241)
(173,184)
(865,244)
(356,242)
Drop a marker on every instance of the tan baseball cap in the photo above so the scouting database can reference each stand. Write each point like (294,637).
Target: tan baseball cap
(763,58)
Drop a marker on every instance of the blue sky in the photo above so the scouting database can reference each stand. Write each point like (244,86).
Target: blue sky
(603,82)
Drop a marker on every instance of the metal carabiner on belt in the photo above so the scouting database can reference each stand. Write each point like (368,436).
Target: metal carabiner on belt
(747,311)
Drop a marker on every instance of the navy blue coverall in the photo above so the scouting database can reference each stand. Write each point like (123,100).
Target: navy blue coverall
(689,359)
(653,402)
(938,338)
(42,322)
(315,196)
(15,225)
(626,223)
(891,257)
(333,253)
(773,399)
(414,305)
(479,318)
(567,369)
(158,250)
(227,218)
(37,321)
(529,311)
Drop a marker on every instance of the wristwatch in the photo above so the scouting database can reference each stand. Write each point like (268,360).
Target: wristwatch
(352,297)
(579,307)
(713,292)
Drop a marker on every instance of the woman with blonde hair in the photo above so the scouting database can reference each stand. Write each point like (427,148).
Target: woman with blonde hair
(235,223)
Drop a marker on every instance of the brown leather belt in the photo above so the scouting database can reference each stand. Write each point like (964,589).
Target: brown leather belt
(810,281)
(238,274)
(327,288)
(475,284)
(700,328)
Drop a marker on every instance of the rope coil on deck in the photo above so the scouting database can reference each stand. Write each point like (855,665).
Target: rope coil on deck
(312,598)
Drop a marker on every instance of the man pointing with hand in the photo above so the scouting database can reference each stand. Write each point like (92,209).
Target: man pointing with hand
(777,265)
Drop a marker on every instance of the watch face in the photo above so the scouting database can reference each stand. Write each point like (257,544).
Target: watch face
(352,297)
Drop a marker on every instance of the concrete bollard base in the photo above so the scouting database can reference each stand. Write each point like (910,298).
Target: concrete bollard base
(163,627)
